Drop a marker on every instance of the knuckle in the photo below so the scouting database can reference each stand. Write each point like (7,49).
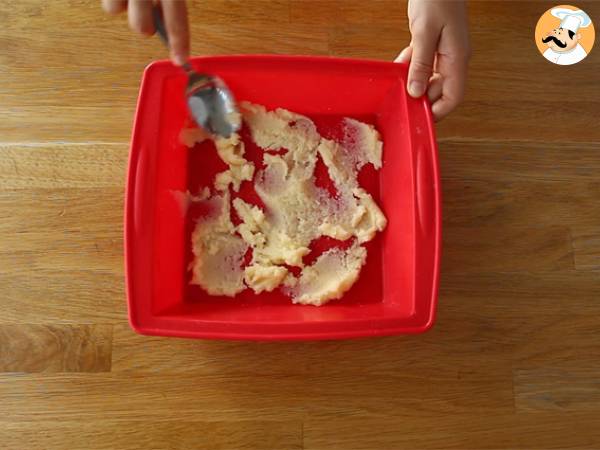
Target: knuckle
(421,35)
(421,67)
(421,26)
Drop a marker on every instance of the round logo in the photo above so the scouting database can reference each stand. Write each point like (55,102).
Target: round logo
(565,35)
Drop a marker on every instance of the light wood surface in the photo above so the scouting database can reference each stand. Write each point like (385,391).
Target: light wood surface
(514,360)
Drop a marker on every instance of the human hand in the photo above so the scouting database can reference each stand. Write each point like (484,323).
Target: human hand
(438,53)
(139,13)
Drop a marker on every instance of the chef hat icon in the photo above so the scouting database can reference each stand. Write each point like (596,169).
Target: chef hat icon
(572,19)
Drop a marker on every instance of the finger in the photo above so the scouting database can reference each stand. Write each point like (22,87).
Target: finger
(404,56)
(140,16)
(454,73)
(452,64)
(424,45)
(176,23)
(114,6)
(436,84)
(445,104)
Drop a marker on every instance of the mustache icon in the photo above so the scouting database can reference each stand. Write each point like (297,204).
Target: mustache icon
(555,40)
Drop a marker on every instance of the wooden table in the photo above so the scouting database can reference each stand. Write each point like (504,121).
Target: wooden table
(514,360)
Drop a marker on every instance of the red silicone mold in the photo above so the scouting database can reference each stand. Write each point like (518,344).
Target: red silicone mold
(397,290)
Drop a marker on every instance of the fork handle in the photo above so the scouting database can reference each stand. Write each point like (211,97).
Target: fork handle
(159,24)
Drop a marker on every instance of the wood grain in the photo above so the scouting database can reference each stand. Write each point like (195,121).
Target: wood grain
(53,296)
(418,358)
(513,160)
(141,435)
(532,204)
(549,292)
(586,245)
(62,166)
(507,249)
(544,431)
(247,396)
(514,357)
(64,348)
(498,118)
(552,389)
(341,12)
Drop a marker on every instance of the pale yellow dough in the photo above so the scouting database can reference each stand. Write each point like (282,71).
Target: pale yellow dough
(264,278)
(192,136)
(297,210)
(231,151)
(185,199)
(218,251)
(332,274)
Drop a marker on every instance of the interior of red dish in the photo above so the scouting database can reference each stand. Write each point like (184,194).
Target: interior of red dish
(402,261)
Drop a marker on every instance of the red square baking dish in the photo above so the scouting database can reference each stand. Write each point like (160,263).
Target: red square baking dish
(397,290)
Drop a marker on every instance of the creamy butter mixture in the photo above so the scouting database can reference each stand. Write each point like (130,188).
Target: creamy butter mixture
(219,251)
(297,211)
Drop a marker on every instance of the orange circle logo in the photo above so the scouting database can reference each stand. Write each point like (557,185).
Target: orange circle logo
(565,35)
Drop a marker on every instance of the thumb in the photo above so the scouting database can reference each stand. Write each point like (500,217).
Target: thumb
(421,63)
(404,56)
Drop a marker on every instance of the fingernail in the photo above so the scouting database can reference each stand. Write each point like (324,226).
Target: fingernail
(416,88)
(402,56)
(178,59)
